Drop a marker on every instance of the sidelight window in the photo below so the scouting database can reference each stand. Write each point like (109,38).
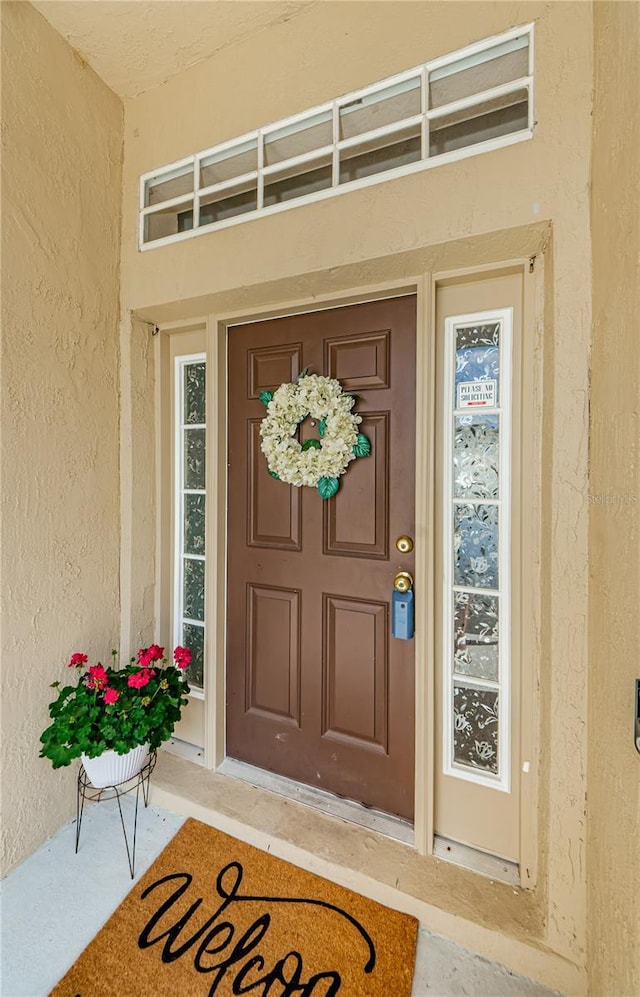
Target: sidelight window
(190,499)
(476,629)
(471,101)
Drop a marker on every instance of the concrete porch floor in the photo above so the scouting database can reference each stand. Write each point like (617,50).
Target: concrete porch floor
(55,902)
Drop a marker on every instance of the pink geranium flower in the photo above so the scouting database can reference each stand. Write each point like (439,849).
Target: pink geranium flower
(182,657)
(111,696)
(149,654)
(141,678)
(98,678)
(77,659)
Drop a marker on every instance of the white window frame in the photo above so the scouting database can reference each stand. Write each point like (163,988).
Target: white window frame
(471,55)
(180,491)
(502,780)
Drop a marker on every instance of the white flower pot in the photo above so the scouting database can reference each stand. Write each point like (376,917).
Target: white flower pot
(110,769)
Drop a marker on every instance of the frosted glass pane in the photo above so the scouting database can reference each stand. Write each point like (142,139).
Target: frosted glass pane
(228,203)
(193,589)
(193,637)
(172,184)
(476,546)
(295,140)
(477,373)
(475,727)
(167,221)
(194,458)
(380,154)
(229,163)
(476,456)
(502,64)
(194,534)
(475,635)
(491,119)
(386,107)
(195,393)
(298,182)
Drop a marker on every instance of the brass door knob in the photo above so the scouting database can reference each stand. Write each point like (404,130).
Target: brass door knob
(404,544)
(403,581)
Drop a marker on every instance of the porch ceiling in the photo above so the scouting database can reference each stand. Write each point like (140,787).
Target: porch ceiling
(134,44)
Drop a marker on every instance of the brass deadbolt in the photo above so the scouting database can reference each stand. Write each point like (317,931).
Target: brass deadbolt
(403,581)
(404,544)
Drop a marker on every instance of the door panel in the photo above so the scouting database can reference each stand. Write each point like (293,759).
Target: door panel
(484,673)
(317,690)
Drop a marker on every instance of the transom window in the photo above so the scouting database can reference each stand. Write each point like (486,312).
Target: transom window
(468,102)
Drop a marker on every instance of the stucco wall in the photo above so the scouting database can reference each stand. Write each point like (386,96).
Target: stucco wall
(329,50)
(61,176)
(613,856)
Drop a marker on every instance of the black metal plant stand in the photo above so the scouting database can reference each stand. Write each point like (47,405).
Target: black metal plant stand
(137,782)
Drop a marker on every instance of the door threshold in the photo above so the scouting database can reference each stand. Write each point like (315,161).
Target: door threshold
(319,799)
(472,858)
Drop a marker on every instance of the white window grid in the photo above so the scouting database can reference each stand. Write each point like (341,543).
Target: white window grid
(428,72)
(180,491)
(502,779)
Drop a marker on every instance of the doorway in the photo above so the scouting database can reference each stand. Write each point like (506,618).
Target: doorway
(317,688)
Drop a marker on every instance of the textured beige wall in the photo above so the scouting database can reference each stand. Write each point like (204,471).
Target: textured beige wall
(613,827)
(61,176)
(333,48)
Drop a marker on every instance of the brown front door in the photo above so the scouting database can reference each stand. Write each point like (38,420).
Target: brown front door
(317,688)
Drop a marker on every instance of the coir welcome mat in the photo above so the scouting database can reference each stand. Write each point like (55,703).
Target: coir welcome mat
(214,917)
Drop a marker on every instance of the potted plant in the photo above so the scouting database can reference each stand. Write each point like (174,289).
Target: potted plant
(114,716)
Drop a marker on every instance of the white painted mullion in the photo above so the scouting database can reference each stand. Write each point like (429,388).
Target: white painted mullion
(196,192)
(476,683)
(504,547)
(261,171)
(448,603)
(469,590)
(475,501)
(178,500)
(141,217)
(174,202)
(531,67)
(335,170)
(392,129)
(425,120)
(222,185)
(304,157)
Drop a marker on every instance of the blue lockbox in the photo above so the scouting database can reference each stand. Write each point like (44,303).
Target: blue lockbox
(402,615)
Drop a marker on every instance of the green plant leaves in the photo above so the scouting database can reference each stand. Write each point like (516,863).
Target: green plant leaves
(322,427)
(274,475)
(311,445)
(362,447)
(83,723)
(265,397)
(327,487)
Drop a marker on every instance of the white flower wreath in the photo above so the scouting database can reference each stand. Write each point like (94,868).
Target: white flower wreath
(318,463)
